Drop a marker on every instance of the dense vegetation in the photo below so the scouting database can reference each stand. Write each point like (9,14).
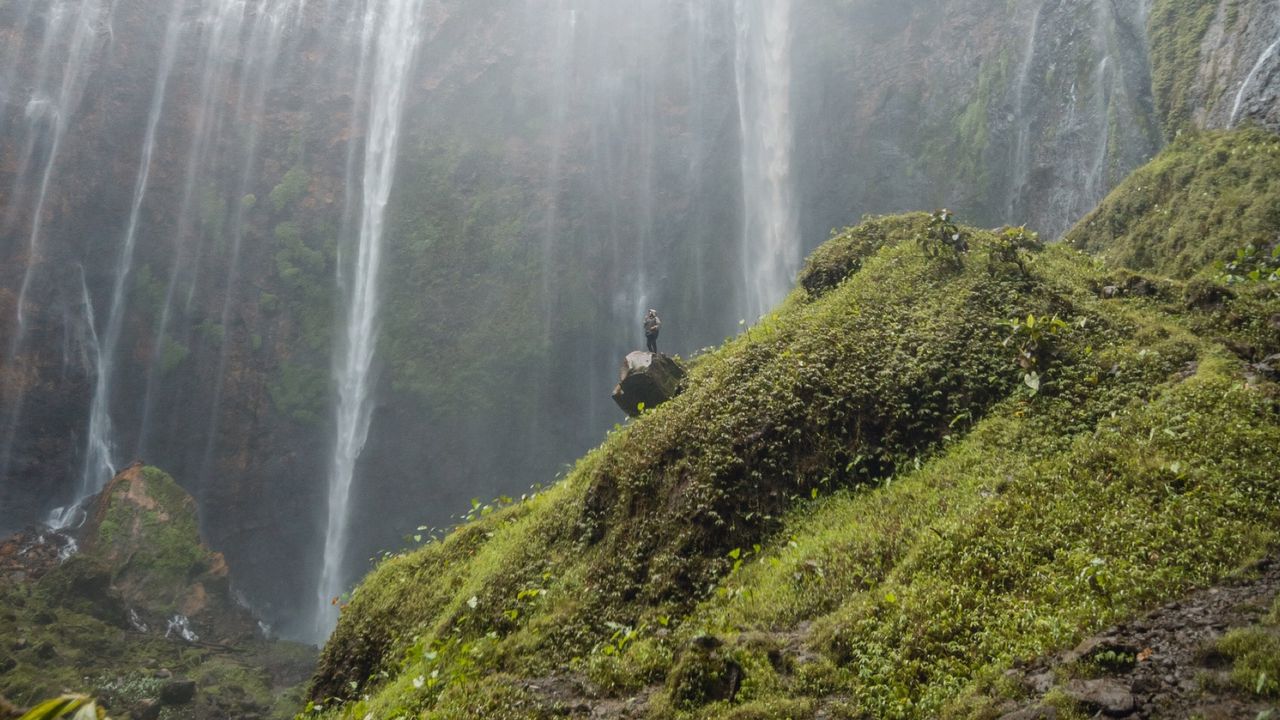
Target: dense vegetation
(949,450)
(1206,195)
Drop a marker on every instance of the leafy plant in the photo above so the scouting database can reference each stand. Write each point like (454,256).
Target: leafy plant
(1251,265)
(622,637)
(943,238)
(1033,339)
(1009,245)
(74,707)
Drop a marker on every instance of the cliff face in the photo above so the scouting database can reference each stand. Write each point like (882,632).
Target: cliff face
(564,165)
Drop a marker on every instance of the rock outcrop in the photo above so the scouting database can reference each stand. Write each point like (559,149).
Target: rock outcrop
(143,530)
(647,380)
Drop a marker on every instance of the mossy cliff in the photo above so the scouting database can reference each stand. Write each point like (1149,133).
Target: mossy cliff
(926,466)
(1206,195)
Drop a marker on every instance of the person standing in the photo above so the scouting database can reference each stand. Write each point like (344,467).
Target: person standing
(651,326)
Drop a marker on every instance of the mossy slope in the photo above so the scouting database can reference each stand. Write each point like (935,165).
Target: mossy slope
(857,507)
(1206,195)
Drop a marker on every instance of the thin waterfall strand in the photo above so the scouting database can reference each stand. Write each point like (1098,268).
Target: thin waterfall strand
(393,26)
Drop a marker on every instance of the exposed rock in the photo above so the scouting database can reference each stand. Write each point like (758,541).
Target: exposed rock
(177,692)
(1268,369)
(30,553)
(647,380)
(147,709)
(1109,697)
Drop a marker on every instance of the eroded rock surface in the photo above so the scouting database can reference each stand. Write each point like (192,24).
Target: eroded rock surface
(647,380)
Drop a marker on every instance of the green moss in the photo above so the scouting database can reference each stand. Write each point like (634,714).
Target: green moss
(1202,198)
(173,355)
(842,255)
(1255,656)
(300,392)
(1175,29)
(157,535)
(291,189)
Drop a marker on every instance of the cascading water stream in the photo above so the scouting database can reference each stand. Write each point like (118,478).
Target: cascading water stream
(770,243)
(388,44)
(83,20)
(264,45)
(1022,144)
(1267,54)
(99,463)
(74,75)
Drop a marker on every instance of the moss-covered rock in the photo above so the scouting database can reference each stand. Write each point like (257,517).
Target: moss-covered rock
(143,528)
(1175,29)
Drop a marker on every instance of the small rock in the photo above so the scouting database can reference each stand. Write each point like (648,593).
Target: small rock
(46,651)
(707,642)
(1041,683)
(647,380)
(1145,686)
(146,710)
(1106,696)
(164,674)
(177,692)
(7,663)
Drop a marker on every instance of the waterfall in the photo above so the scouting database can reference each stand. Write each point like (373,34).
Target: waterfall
(770,243)
(1248,80)
(251,101)
(99,463)
(1022,144)
(81,20)
(388,44)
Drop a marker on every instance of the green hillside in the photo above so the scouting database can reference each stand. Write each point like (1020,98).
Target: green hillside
(925,466)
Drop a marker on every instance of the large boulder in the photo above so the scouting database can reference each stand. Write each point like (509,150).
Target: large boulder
(647,380)
(144,528)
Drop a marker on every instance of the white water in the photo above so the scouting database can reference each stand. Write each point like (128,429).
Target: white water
(389,43)
(99,461)
(1022,145)
(180,626)
(1248,80)
(770,239)
(83,19)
